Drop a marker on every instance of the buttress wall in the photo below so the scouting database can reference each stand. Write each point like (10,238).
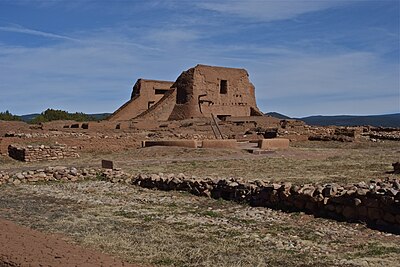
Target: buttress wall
(145,94)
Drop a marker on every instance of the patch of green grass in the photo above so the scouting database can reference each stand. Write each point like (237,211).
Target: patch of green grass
(374,250)
(164,261)
(148,218)
(125,214)
(211,213)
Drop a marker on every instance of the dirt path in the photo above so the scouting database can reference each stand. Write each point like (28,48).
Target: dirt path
(21,246)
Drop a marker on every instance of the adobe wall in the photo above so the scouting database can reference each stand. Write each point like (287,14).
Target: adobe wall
(178,143)
(161,110)
(275,143)
(199,93)
(145,94)
(223,144)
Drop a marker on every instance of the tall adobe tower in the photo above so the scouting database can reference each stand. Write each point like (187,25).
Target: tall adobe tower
(205,90)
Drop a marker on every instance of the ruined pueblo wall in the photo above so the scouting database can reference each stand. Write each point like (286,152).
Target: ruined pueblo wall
(145,94)
(200,92)
(41,153)
(205,90)
(161,110)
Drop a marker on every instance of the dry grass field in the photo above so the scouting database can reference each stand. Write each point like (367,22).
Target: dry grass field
(305,162)
(155,228)
(176,229)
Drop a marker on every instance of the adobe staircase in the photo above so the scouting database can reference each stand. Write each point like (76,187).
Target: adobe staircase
(215,128)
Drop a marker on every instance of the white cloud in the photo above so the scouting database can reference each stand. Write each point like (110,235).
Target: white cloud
(96,76)
(93,75)
(19,29)
(268,10)
(172,36)
(73,77)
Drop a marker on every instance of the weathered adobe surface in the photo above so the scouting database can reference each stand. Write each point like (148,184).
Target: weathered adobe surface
(21,246)
(200,93)
(161,110)
(145,93)
(376,203)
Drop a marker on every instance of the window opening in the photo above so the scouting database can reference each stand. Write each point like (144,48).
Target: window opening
(223,87)
(160,91)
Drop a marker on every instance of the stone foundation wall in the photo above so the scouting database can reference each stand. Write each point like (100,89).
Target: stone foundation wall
(41,152)
(376,203)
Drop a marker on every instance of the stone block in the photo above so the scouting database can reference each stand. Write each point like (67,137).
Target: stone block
(276,143)
(349,212)
(374,213)
(107,164)
(396,167)
(389,217)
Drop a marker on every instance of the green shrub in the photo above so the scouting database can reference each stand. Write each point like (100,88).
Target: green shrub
(7,116)
(53,115)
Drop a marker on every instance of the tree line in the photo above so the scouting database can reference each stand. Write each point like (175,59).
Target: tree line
(49,115)
(7,116)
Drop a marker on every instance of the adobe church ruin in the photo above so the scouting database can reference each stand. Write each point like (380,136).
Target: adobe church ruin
(199,92)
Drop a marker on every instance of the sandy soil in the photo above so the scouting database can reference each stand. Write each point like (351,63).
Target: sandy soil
(21,246)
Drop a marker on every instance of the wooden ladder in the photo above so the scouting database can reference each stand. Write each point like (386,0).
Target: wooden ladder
(215,128)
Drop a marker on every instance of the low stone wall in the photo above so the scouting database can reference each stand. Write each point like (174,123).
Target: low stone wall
(275,143)
(64,174)
(41,152)
(376,203)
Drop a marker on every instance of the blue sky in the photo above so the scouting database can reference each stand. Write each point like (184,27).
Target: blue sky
(304,57)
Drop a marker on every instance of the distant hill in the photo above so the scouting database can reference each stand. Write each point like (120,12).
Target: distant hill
(100,116)
(277,115)
(29,117)
(388,120)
